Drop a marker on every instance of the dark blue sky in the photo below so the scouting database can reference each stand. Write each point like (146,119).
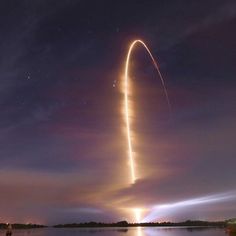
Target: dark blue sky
(63,149)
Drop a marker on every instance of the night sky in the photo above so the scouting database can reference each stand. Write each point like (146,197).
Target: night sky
(63,150)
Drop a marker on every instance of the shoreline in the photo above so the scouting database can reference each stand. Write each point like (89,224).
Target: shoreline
(123,224)
(218,224)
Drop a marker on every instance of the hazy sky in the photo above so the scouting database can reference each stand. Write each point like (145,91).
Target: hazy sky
(63,149)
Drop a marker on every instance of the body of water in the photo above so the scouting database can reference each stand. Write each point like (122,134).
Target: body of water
(133,231)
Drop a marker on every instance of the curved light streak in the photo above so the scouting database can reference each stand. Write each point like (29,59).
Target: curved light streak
(126,85)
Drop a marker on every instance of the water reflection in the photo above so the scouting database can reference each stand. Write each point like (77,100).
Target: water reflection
(139,231)
(132,231)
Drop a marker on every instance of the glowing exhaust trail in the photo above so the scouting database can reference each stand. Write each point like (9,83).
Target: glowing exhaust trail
(162,210)
(126,85)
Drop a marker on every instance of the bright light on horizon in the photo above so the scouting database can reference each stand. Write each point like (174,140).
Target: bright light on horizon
(138,214)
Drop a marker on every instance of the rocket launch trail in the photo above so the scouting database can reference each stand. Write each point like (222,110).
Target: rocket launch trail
(126,101)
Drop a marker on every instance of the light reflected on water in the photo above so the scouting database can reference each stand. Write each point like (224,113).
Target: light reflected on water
(132,231)
(139,231)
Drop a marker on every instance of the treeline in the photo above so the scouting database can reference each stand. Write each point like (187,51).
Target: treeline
(21,226)
(93,224)
(188,223)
